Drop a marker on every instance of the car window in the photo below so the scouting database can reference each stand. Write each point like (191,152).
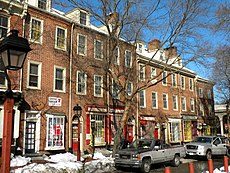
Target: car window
(203,139)
(217,141)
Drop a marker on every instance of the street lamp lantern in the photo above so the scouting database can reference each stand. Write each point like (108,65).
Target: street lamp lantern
(78,111)
(13,51)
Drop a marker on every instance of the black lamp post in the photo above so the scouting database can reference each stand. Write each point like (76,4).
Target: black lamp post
(13,51)
(93,128)
(78,111)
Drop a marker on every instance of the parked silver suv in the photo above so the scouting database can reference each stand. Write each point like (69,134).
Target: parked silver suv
(207,146)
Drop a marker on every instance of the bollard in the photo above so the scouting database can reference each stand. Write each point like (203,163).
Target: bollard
(226,163)
(167,170)
(191,167)
(210,166)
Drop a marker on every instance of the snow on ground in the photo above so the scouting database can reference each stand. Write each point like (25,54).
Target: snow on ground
(67,163)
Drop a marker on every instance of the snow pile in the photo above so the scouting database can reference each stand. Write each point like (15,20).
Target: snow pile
(19,161)
(63,157)
(220,170)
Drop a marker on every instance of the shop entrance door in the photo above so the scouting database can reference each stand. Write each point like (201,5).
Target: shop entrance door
(30,137)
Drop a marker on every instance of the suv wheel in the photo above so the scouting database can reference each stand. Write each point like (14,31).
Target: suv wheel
(146,166)
(209,155)
(176,160)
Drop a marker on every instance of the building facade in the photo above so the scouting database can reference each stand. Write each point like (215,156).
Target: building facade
(66,68)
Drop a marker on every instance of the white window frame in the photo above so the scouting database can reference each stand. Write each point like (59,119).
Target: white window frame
(201,109)
(141,72)
(41,30)
(5,81)
(5,27)
(96,85)
(115,86)
(174,132)
(84,82)
(209,94)
(56,38)
(129,88)
(153,74)
(200,92)
(85,48)
(144,99)
(95,56)
(210,110)
(183,102)
(126,65)
(192,105)
(47,134)
(175,102)
(190,84)
(64,79)
(117,59)
(38,75)
(164,78)
(174,80)
(166,96)
(156,99)
(182,82)
(85,17)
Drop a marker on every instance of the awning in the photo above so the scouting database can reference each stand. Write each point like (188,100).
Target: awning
(189,117)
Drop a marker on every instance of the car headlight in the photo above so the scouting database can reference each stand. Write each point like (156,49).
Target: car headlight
(136,156)
(200,147)
(116,156)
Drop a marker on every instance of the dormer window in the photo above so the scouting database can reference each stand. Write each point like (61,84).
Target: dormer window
(42,4)
(82,18)
(140,48)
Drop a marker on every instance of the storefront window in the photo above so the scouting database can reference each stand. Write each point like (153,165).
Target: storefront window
(99,129)
(187,130)
(55,132)
(174,131)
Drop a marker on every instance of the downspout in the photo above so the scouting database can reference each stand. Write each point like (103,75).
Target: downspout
(70,86)
(108,97)
(196,100)
(137,133)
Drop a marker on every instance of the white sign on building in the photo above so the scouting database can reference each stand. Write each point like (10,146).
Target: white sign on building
(55,101)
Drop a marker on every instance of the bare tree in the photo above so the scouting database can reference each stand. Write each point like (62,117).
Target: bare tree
(174,22)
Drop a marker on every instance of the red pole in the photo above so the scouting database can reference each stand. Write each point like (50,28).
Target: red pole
(226,163)
(191,167)
(78,141)
(7,134)
(167,170)
(210,166)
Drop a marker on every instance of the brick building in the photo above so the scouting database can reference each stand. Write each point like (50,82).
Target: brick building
(67,67)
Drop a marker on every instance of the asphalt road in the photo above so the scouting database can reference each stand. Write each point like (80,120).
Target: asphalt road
(200,166)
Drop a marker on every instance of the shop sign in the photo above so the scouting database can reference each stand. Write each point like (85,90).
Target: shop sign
(55,101)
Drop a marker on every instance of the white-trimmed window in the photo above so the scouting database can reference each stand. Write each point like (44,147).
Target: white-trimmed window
(165,101)
(182,82)
(190,84)
(192,105)
(60,41)
(81,45)
(115,90)
(81,82)
(98,82)
(210,110)
(34,75)
(116,56)
(183,103)
(164,78)
(209,94)
(175,102)
(200,92)
(83,17)
(59,79)
(201,109)
(153,74)
(98,49)
(36,30)
(154,100)
(174,80)
(128,59)
(3,26)
(142,99)
(42,4)
(174,130)
(141,72)
(140,47)
(55,135)
(129,88)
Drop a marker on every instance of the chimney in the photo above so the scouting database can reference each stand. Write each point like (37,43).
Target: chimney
(171,52)
(153,45)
